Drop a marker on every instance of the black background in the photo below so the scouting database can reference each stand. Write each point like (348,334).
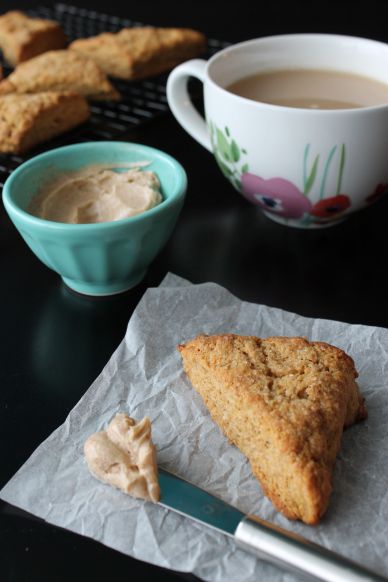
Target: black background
(54,343)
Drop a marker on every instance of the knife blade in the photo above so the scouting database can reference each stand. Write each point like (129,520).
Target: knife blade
(267,541)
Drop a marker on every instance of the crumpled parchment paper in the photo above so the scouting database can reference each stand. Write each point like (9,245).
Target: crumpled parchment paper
(144,377)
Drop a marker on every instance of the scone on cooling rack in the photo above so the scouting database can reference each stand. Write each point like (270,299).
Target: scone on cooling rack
(139,52)
(23,37)
(61,70)
(27,120)
(284,402)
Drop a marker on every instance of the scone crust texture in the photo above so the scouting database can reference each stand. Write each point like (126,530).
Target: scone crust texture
(284,402)
(27,120)
(23,37)
(139,52)
(60,70)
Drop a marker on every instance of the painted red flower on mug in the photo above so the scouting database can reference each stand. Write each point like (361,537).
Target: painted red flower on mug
(275,195)
(330,207)
(380,191)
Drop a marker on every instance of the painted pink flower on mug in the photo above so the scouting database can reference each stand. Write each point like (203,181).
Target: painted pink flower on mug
(275,195)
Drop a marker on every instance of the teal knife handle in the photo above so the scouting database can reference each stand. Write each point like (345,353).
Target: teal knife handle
(292,552)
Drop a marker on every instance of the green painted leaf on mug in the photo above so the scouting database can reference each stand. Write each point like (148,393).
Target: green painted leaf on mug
(235,151)
(244,168)
(223,167)
(227,131)
(223,146)
(235,182)
(312,176)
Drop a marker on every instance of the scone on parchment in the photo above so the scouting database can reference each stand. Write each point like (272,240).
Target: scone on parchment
(284,402)
(61,70)
(139,52)
(27,120)
(23,37)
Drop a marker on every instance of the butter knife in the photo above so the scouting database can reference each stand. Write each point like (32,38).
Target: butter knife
(267,541)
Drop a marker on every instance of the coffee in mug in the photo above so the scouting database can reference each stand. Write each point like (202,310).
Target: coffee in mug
(312,89)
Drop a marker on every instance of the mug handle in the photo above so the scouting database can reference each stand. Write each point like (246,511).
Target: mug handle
(180,103)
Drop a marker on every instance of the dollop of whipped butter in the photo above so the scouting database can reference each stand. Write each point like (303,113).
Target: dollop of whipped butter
(97,194)
(124,456)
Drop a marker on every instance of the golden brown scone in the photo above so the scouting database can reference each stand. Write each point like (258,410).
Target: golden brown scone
(60,71)
(26,120)
(23,37)
(135,53)
(284,403)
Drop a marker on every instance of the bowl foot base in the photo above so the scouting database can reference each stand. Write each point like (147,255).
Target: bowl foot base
(104,289)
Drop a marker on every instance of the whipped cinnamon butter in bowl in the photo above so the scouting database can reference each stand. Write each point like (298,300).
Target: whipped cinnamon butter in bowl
(97,213)
(98,193)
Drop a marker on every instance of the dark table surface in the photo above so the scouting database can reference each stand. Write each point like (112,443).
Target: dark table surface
(54,343)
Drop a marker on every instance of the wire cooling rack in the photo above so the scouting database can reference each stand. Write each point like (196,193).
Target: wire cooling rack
(142,101)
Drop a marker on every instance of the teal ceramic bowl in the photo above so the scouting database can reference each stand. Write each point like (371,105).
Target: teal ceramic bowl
(103,258)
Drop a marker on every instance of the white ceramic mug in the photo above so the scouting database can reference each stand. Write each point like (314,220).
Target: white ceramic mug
(305,167)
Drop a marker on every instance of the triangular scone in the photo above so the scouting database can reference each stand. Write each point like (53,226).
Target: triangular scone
(284,402)
(61,70)
(23,37)
(139,52)
(28,120)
